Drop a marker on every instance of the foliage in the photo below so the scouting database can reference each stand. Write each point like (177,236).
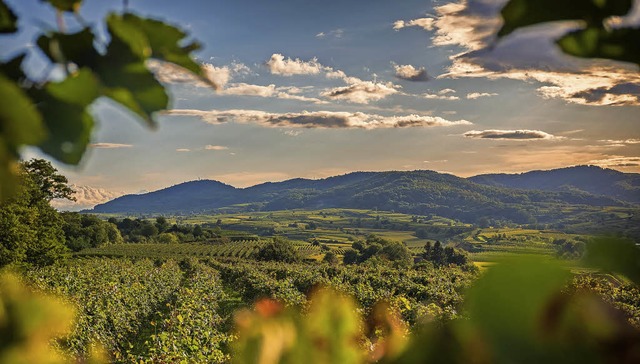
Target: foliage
(379,248)
(113,299)
(280,250)
(188,329)
(594,38)
(87,231)
(30,229)
(28,322)
(444,256)
(54,115)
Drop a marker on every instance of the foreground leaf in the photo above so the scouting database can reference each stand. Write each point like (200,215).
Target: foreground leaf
(522,13)
(64,108)
(617,44)
(614,255)
(8,19)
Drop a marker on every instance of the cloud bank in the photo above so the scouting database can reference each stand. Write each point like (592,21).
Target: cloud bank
(109,145)
(316,119)
(86,197)
(511,135)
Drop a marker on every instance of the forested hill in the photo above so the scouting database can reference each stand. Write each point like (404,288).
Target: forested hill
(416,192)
(590,179)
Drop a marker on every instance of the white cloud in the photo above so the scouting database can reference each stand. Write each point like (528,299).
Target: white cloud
(424,23)
(288,93)
(316,119)
(441,95)
(218,76)
(410,73)
(183,150)
(109,145)
(477,95)
(620,141)
(86,197)
(511,135)
(278,65)
(215,147)
(361,92)
(336,33)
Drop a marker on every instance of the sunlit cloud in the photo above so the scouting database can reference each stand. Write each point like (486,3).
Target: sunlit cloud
(316,119)
(620,141)
(424,23)
(278,65)
(617,161)
(86,198)
(183,150)
(361,92)
(441,95)
(410,73)
(215,147)
(244,89)
(477,95)
(218,76)
(109,145)
(511,135)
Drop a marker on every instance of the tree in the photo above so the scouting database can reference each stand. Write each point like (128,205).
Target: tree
(280,250)
(31,230)
(331,258)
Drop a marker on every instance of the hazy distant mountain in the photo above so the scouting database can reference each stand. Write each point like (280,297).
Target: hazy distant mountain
(590,179)
(415,192)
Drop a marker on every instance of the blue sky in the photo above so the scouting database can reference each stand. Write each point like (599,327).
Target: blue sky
(313,89)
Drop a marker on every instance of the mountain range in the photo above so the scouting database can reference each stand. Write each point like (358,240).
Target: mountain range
(521,198)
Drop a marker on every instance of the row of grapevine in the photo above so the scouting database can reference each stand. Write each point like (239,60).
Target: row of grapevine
(113,298)
(189,330)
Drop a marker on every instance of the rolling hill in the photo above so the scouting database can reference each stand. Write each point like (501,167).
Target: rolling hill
(590,179)
(414,192)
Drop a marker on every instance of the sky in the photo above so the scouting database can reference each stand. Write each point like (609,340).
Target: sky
(319,88)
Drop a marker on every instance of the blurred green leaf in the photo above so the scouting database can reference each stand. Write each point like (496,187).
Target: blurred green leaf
(64,108)
(614,255)
(124,74)
(133,86)
(617,44)
(77,48)
(165,40)
(12,69)
(20,122)
(8,19)
(521,13)
(64,5)
(128,42)
(508,303)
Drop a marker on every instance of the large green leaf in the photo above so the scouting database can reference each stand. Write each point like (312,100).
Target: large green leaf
(20,122)
(615,255)
(133,86)
(165,40)
(127,40)
(508,303)
(77,48)
(64,5)
(617,44)
(64,108)
(8,19)
(522,13)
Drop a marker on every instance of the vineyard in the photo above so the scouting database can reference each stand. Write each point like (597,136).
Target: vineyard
(141,310)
